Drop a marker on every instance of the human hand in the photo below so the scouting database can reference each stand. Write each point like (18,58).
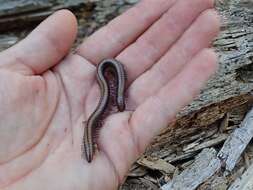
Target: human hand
(46,92)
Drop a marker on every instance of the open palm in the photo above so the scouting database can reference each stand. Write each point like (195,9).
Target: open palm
(46,92)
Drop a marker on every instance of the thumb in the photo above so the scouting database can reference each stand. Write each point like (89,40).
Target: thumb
(45,46)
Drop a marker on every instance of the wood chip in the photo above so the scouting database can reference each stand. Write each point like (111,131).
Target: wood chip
(221,138)
(157,164)
(205,165)
(137,171)
(237,142)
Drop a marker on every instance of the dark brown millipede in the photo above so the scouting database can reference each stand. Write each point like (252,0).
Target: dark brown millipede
(92,124)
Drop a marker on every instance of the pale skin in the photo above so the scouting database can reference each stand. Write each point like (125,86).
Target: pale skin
(47,92)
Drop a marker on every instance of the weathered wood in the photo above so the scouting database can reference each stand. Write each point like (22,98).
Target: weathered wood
(235,48)
(208,162)
(245,182)
(14,7)
(19,13)
(205,165)
(237,142)
(7,41)
(157,164)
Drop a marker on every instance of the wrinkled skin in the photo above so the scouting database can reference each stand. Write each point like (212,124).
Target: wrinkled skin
(46,92)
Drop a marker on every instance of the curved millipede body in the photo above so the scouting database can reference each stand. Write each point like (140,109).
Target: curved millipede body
(92,124)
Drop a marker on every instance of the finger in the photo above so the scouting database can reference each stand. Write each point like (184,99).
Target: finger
(161,108)
(46,45)
(119,33)
(197,37)
(159,38)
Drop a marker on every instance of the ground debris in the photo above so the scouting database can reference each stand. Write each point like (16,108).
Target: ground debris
(157,164)
(204,166)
